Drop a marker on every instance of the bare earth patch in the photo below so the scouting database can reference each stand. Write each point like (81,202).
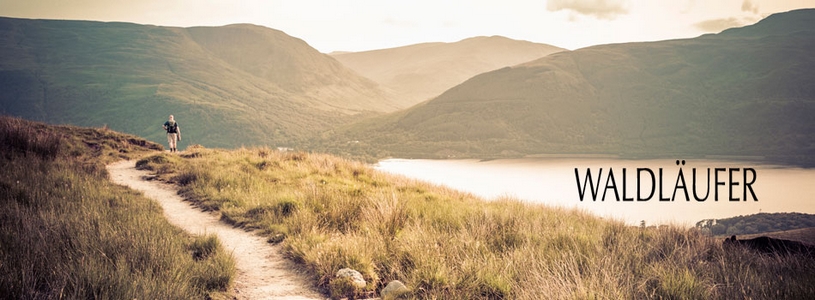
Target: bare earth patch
(262,271)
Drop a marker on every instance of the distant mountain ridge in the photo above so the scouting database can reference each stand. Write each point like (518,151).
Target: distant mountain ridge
(422,71)
(744,92)
(228,86)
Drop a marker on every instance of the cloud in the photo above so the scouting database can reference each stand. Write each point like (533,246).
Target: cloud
(601,9)
(750,14)
(717,25)
(748,6)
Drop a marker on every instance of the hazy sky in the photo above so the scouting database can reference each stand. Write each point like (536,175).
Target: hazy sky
(345,25)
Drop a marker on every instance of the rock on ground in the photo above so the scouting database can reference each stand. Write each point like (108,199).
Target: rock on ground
(354,275)
(393,290)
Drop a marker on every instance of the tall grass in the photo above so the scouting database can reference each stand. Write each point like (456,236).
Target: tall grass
(66,232)
(20,137)
(332,213)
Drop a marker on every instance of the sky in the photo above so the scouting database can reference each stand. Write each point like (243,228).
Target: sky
(358,25)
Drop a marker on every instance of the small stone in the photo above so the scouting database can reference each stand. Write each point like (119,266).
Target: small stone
(354,275)
(348,283)
(393,290)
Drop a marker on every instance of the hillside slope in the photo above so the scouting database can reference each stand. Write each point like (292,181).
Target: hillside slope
(423,71)
(228,86)
(746,91)
(67,232)
(330,213)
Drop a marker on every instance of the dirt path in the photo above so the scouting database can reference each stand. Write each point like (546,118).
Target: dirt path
(262,272)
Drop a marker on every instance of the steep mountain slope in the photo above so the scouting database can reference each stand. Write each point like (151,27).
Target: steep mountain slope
(293,65)
(228,86)
(420,72)
(745,91)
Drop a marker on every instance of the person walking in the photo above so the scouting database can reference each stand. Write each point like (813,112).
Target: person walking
(173,133)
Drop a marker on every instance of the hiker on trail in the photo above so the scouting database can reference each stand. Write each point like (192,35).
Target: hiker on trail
(173,133)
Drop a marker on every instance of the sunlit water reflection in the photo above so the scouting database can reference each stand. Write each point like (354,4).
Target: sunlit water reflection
(553,182)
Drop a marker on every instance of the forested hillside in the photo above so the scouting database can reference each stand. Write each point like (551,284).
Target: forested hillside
(758,223)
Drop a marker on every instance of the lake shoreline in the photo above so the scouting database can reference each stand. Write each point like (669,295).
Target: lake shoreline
(551,180)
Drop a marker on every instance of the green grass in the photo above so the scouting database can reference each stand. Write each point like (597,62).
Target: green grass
(66,232)
(330,213)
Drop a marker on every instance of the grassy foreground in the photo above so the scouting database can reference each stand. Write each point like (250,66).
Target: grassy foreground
(66,232)
(332,213)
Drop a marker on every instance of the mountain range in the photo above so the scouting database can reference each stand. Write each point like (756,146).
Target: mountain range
(227,86)
(420,72)
(745,92)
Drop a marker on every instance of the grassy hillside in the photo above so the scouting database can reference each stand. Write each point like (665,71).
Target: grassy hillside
(331,213)
(227,86)
(423,71)
(746,92)
(66,232)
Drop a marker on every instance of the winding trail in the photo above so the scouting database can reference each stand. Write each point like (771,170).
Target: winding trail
(262,272)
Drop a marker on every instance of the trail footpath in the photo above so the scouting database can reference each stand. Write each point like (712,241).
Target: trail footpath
(262,272)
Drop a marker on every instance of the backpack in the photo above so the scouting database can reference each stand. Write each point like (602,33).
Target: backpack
(172,127)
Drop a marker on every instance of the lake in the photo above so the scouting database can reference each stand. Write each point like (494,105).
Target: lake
(673,199)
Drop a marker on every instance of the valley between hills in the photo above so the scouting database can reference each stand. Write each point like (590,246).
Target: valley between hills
(744,92)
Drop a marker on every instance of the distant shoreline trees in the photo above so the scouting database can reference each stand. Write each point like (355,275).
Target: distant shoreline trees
(757,223)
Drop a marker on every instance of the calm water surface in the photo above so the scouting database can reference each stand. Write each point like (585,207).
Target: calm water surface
(552,181)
